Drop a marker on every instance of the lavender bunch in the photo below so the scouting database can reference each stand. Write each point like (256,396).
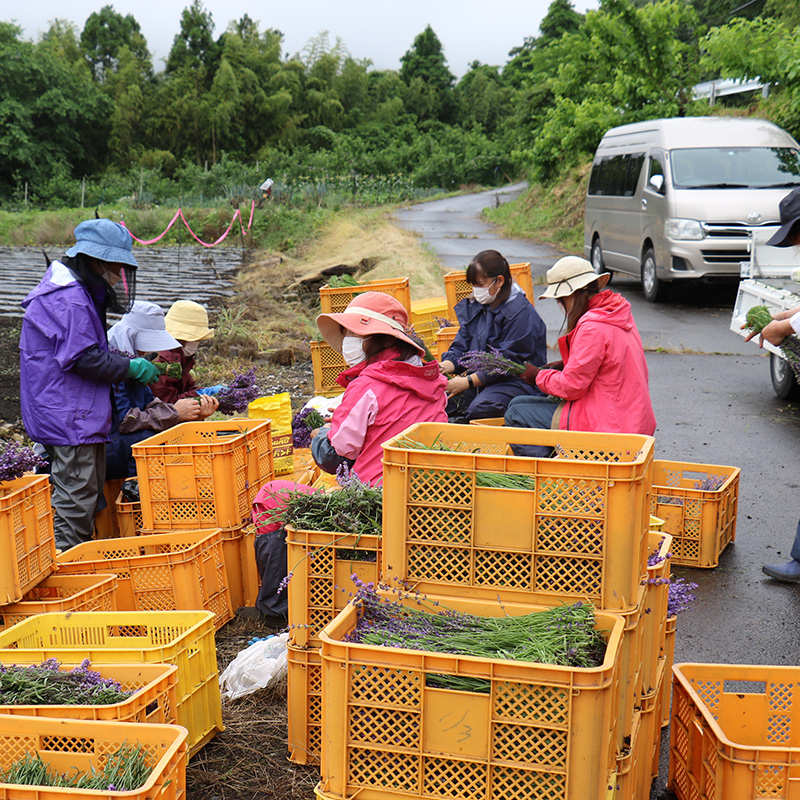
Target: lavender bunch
(303,422)
(757,318)
(681,596)
(46,684)
(443,322)
(491,362)
(239,393)
(16,459)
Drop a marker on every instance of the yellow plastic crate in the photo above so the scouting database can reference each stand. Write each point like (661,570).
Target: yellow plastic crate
(154,700)
(184,570)
(327,364)
(580,533)
(75,746)
(183,638)
(203,474)
(26,535)
(334,300)
(129,516)
(541,731)
(304,704)
(668,654)
(456,287)
(627,766)
(655,617)
(425,317)
(702,522)
(238,550)
(444,338)
(95,592)
(734,732)
(322,563)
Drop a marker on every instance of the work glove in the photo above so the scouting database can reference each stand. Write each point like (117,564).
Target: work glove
(529,376)
(141,370)
(212,390)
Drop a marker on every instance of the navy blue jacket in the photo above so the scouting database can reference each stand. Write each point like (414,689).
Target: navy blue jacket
(514,328)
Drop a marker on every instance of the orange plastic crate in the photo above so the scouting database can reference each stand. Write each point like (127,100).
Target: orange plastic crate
(26,535)
(160,572)
(580,533)
(702,522)
(183,638)
(627,765)
(735,732)
(668,654)
(444,338)
(655,602)
(304,704)
(106,522)
(154,700)
(75,746)
(456,287)
(129,516)
(95,592)
(651,735)
(322,563)
(540,731)
(327,364)
(334,300)
(238,550)
(425,316)
(203,474)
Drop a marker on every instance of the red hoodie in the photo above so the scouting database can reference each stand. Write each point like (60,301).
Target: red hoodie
(605,380)
(382,398)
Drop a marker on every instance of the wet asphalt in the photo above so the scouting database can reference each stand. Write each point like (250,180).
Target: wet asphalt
(714,404)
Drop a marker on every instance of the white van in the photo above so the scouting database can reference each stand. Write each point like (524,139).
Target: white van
(677,199)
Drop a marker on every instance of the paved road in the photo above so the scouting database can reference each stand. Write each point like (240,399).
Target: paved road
(714,405)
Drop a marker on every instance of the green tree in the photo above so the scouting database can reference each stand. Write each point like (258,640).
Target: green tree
(430,83)
(482,98)
(561,18)
(194,46)
(105,34)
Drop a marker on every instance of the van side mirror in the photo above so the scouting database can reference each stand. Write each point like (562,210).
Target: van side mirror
(657,182)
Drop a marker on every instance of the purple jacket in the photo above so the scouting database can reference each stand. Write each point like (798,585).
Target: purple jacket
(66,370)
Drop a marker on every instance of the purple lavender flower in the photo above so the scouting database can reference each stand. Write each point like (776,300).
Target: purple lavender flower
(239,393)
(284,582)
(303,422)
(16,459)
(681,596)
(491,362)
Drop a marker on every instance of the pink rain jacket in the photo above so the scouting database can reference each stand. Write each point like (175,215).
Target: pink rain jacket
(382,398)
(605,380)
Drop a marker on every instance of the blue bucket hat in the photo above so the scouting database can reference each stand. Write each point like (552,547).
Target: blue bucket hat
(104,239)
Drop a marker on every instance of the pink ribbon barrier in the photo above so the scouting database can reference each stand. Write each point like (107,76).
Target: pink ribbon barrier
(179,214)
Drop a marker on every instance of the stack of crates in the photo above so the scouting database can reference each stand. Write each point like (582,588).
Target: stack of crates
(456,286)
(426,316)
(325,361)
(579,532)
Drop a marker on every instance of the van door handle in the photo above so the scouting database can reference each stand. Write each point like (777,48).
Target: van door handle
(644,204)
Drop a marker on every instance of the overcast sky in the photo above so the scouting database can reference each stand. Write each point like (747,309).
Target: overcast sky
(379,30)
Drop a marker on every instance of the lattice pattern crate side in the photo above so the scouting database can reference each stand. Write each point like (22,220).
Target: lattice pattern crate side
(77,746)
(580,532)
(184,570)
(701,521)
(322,563)
(540,731)
(335,299)
(154,699)
(304,705)
(203,474)
(655,607)
(734,731)
(456,286)
(26,535)
(129,516)
(94,592)
(183,638)
(327,364)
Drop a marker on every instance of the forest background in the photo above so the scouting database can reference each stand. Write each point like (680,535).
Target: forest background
(85,120)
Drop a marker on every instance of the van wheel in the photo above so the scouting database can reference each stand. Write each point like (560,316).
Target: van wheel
(783,380)
(597,257)
(655,290)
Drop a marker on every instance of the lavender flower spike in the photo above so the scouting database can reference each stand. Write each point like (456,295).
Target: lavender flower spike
(491,362)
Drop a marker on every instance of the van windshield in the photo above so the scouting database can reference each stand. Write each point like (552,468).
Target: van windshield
(735,167)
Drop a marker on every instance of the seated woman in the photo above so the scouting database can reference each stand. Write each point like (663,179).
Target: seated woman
(602,382)
(499,315)
(138,413)
(187,322)
(387,388)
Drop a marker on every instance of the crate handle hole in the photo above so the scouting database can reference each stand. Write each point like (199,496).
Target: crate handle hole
(744,687)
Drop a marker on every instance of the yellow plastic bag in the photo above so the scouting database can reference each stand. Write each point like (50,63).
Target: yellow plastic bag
(278,408)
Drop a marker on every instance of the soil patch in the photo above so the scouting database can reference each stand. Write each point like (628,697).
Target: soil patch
(9,369)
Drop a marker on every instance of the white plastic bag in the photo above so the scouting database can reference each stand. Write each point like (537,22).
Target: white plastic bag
(255,667)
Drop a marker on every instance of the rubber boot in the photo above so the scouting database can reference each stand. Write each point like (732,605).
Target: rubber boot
(788,573)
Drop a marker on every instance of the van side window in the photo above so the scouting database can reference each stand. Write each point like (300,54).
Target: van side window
(656,167)
(616,176)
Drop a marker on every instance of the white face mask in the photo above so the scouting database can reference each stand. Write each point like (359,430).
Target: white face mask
(483,294)
(353,350)
(190,348)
